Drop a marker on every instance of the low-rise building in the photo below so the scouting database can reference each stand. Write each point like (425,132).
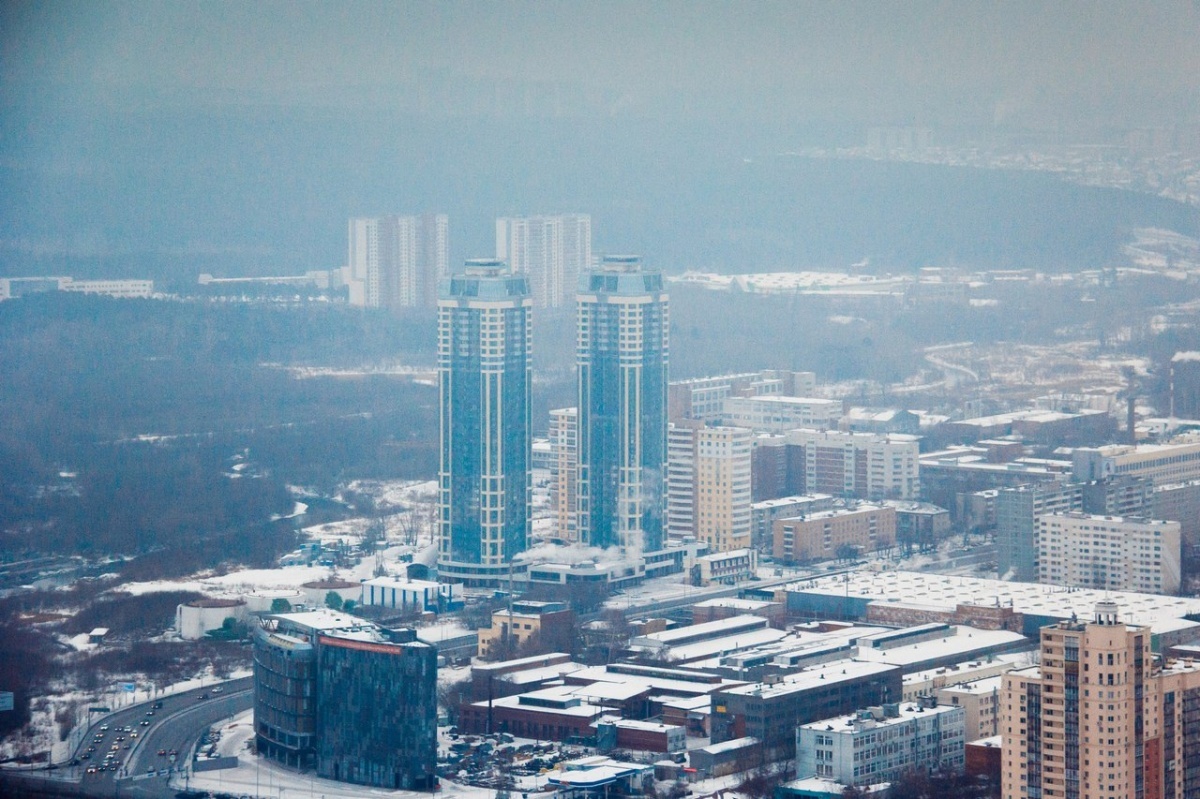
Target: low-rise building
(527,624)
(723,759)
(835,533)
(728,568)
(779,414)
(765,513)
(417,596)
(883,743)
(772,711)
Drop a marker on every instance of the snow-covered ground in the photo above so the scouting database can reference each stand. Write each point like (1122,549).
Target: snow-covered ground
(256,776)
(406,511)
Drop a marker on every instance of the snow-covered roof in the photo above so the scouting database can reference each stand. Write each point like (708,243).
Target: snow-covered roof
(946,592)
(814,677)
(960,641)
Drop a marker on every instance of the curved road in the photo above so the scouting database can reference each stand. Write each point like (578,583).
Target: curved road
(177,726)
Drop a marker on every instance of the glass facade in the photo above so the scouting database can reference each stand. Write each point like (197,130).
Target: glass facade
(484,376)
(622,353)
(285,717)
(354,702)
(377,712)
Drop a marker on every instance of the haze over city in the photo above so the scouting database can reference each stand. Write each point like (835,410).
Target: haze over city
(743,401)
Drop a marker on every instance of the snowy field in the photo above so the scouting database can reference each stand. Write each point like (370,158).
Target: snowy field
(404,507)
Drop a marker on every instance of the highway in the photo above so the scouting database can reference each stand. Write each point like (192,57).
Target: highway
(175,726)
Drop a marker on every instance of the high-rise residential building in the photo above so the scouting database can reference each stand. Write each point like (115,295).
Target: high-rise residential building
(397,261)
(1185,385)
(1100,718)
(1109,552)
(1179,502)
(484,375)
(708,484)
(1085,724)
(622,351)
(564,472)
(1017,511)
(1123,495)
(550,250)
(351,700)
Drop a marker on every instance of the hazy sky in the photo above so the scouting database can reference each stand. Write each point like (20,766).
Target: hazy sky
(213,130)
(871,61)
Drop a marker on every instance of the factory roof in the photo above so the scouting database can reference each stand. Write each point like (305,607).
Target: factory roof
(814,677)
(730,746)
(986,685)
(960,641)
(854,722)
(946,592)
(734,602)
(701,650)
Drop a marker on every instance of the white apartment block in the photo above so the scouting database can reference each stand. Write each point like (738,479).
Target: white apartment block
(1109,552)
(564,472)
(704,397)
(1163,463)
(397,261)
(883,743)
(708,484)
(111,288)
(14,287)
(776,414)
(868,465)
(550,250)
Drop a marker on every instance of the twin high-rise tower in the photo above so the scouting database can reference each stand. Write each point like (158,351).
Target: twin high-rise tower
(484,347)
(621,354)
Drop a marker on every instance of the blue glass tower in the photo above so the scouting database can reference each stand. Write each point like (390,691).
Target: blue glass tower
(484,375)
(622,351)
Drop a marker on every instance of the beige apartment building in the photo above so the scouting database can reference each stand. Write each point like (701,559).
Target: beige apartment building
(564,472)
(822,536)
(980,700)
(708,484)
(1100,718)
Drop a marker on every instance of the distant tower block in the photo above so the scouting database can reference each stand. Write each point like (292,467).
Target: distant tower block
(1185,385)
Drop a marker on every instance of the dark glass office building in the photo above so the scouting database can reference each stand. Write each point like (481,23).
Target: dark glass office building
(353,701)
(484,375)
(622,352)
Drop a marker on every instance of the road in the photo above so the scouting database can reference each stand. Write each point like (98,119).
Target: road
(176,726)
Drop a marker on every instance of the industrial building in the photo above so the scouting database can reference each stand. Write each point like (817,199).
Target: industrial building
(883,743)
(771,712)
(897,598)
